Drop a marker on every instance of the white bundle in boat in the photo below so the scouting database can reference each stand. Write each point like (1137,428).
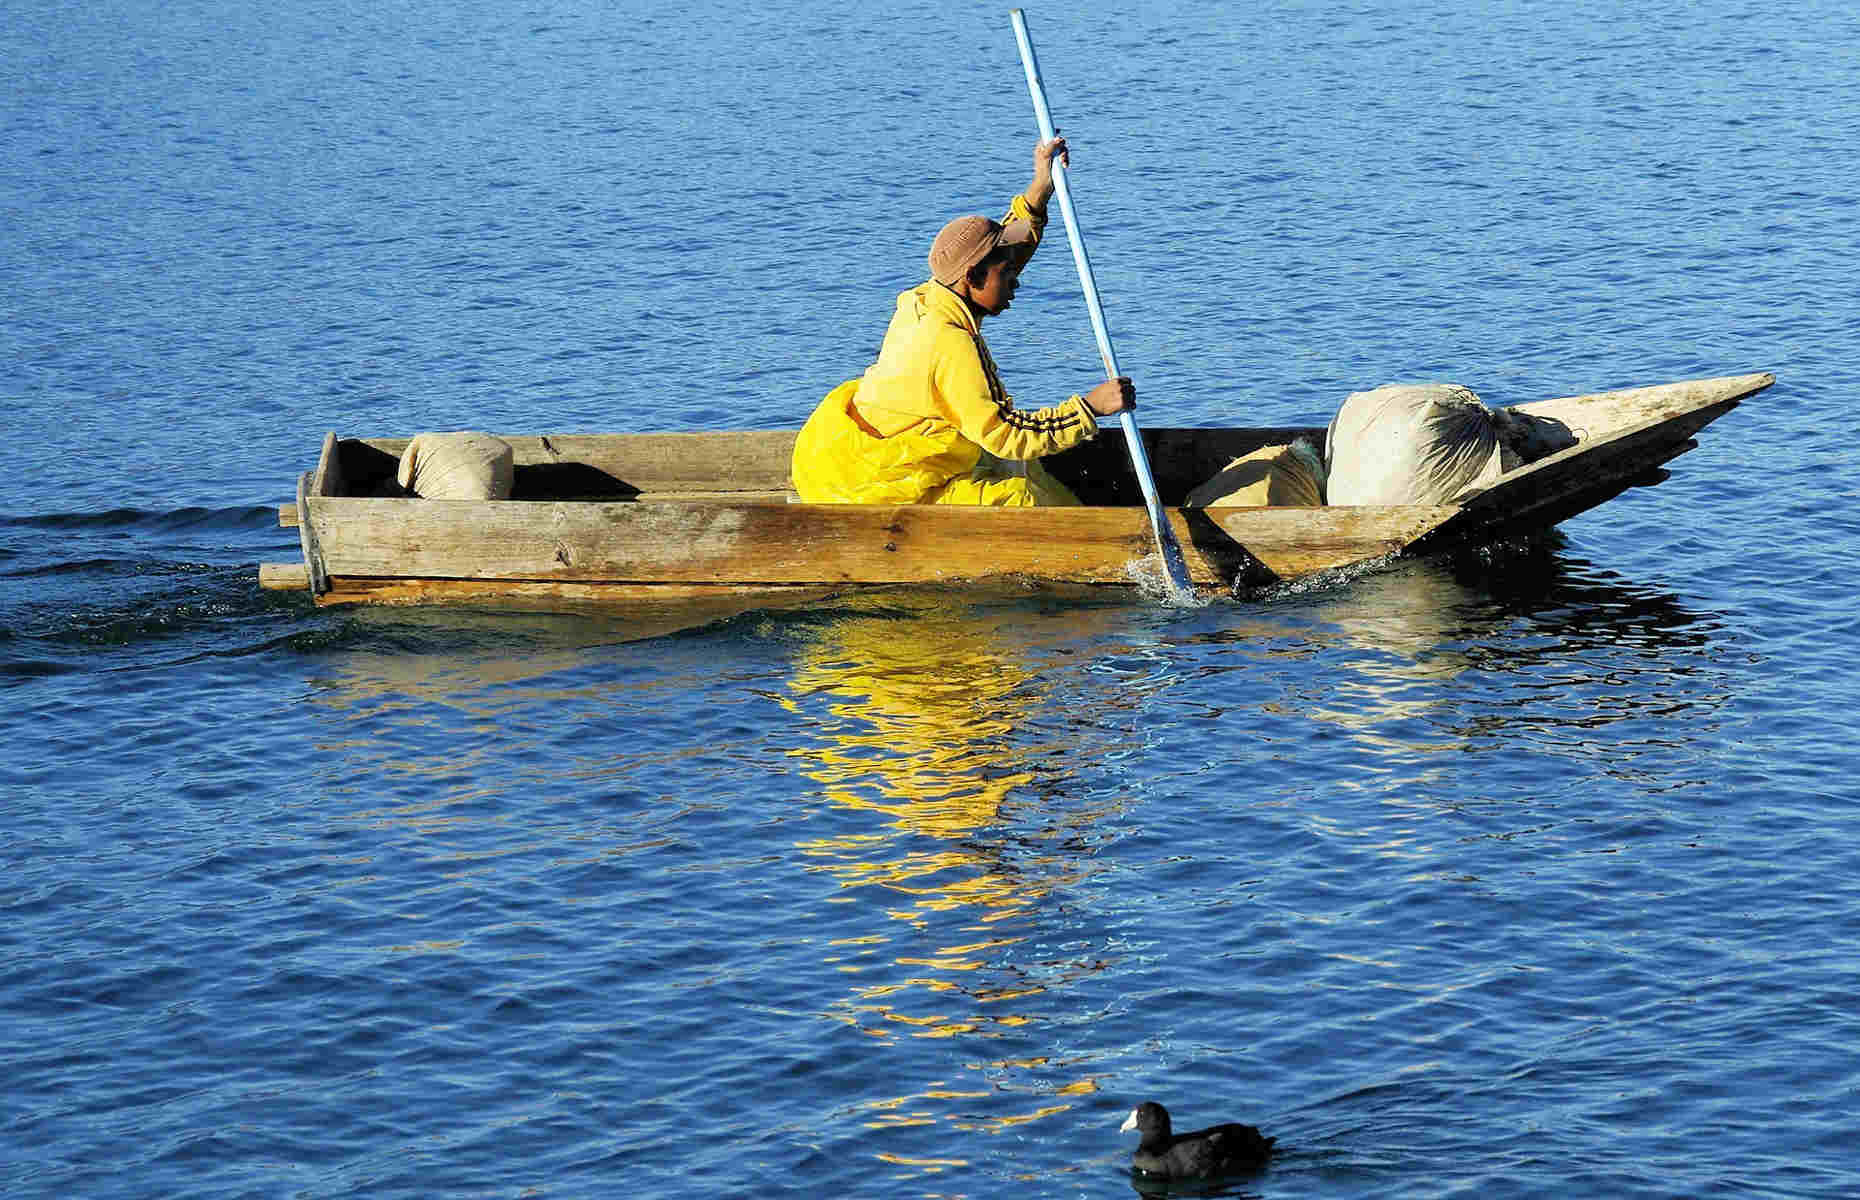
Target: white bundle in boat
(1413,443)
(458,466)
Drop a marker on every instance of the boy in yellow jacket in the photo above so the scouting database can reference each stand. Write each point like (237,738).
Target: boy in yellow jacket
(929,422)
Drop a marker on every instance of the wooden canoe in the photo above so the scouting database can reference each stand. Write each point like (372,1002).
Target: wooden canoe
(670,516)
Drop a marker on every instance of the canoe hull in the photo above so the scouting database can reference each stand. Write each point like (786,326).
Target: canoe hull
(626,517)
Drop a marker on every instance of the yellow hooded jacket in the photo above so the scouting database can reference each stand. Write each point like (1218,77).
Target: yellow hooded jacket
(930,423)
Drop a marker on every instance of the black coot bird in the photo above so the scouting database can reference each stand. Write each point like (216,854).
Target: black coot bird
(1217,1150)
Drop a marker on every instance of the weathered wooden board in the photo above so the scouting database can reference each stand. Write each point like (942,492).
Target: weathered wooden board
(716,600)
(283,577)
(619,466)
(287,513)
(718,542)
(1601,413)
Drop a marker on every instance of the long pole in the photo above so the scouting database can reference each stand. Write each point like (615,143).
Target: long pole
(1173,564)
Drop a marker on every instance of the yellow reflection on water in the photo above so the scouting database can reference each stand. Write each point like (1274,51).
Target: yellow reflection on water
(933,1164)
(931,727)
(903,1111)
(924,731)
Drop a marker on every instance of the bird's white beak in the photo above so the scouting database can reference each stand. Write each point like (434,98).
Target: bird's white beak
(1130,1122)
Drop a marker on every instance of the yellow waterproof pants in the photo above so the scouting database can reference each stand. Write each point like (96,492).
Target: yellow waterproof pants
(1001,485)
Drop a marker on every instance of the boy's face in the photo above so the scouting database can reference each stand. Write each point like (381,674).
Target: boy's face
(996,291)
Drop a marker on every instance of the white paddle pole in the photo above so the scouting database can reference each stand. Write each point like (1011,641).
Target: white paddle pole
(1173,564)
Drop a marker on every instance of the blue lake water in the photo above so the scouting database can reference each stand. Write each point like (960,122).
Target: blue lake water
(1523,874)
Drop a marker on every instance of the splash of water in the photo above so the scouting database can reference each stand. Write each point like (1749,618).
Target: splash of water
(1153,584)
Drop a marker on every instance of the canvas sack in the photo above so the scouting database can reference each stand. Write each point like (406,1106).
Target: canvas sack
(1288,474)
(1412,444)
(458,466)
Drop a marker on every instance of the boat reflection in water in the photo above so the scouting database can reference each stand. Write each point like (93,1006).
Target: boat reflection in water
(1521,646)
(1515,615)
(934,726)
